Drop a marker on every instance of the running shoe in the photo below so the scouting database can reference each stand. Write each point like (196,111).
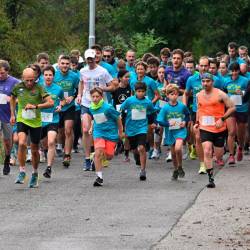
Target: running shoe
(181,173)
(42,156)
(202,169)
(59,153)
(150,153)
(220,163)
(155,154)
(47,172)
(34,180)
(28,157)
(231,160)
(127,159)
(169,157)
(192,154)
(66,161)
(184,153)
(87,166)
(6,167)
(211,183)
(20,178)
(175,175)
(239,154)
(143,176)
(105,163)
(98,182)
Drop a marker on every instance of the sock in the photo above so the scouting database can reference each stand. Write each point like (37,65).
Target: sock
(87,159)
(22,169)
(92,149)
(210,173)
(7,159)
(34,171)
(99,174)
(126,153)
(59,146)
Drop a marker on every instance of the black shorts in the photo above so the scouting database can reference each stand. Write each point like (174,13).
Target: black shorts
(35,133)
(218,139)
(241,117)
(69,114)
(49,127)
(135,141)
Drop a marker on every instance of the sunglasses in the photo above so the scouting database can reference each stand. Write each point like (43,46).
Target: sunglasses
(106,56)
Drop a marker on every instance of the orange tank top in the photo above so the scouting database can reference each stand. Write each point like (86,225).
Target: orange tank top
(210,109)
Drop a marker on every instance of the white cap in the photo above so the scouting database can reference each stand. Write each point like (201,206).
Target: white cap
(89,53)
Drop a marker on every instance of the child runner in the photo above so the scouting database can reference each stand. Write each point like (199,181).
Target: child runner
(140,113)
(107,123)
(174,115)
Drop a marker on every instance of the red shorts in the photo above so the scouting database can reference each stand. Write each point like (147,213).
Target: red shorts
(108,146)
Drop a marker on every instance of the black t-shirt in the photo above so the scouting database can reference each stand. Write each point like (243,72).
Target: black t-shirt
(120,95)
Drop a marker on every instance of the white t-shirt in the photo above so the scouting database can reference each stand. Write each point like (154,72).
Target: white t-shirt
(98,77)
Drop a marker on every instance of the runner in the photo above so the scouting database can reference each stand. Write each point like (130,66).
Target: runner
(130,58)
(211,105)
(140,113)
(174,116)
(31,98)
(50,117)
(107,129)
(7,83)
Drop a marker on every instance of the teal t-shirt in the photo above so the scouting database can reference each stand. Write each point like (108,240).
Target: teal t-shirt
(105,122)
(136,118)
(69,83)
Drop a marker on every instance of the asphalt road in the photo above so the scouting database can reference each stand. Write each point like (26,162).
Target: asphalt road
(67,212)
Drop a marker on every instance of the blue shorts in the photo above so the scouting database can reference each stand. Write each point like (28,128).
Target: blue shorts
(85,110)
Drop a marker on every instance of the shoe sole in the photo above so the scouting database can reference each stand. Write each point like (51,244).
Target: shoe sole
(46,175)
(96,184)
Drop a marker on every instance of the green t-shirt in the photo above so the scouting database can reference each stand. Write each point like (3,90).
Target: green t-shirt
(35,96)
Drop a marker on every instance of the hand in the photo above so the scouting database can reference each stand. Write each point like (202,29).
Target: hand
(238,92)
(69,99)
(172,123)
(183,124)
(78,99)
(91,131)
(58,108)
(219,123)
(12,120)
(30,106)
(153,126)
(196,126)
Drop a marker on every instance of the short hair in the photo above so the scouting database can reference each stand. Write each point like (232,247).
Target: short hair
(49,68)
(170,88)
(110,49)
(188,54)
(65,57)
(130,50)
(96,90)
(153,61)
(74,59)
(142,64)
(5,64)
(146,56)
(204,57)
(36,68)
(97,47)
(243,47)
(75,52)
(122,73)
(224,62)
(179,52)
(140,86)
(219,54)
(42,55)
(121,64)
(214,61)
(165,52)
(232,45)
(234,66)
(189,60)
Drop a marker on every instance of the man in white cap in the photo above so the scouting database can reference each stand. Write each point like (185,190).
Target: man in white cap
(92,76)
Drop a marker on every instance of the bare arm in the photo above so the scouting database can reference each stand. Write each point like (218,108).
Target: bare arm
(111,86)
(120,127)
(185,96)
(80,91)
(156,97)
(228,103)
(12,109)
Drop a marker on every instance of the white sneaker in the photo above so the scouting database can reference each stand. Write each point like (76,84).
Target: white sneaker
(169,157)
(28,157)
(42,156)
(184,153)
(155,154)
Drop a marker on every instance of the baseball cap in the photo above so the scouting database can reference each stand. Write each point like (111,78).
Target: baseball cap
(89,53)
(207,76)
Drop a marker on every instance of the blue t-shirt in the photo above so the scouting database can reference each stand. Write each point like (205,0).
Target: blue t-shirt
(137,111)
(194,84)
(177,77)
(69,83)
(105,122)
(130,68)
(231,86)
(150,83)
(160,103)
(236,59)
(109,68)
(49,115)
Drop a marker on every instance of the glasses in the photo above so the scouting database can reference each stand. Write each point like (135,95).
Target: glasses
(106,56)
(206,80)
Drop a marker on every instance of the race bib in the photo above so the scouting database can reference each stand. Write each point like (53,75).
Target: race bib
(236,99)
(162,103)
(177,123)
(207,120)
(47,117)
(100,118)
(28,114)
(118,107)
(66,94)
(3,99)
(139,114)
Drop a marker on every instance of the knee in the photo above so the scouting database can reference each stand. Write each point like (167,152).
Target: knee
(141,149)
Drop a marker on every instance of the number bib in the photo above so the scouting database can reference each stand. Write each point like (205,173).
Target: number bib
(176,125)
(3,99)
(47,117)
(28,114)
(207,120)
(236,99)
(100,118)
(138,114)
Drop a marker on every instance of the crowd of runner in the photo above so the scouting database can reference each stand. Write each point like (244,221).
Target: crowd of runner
(129,106)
